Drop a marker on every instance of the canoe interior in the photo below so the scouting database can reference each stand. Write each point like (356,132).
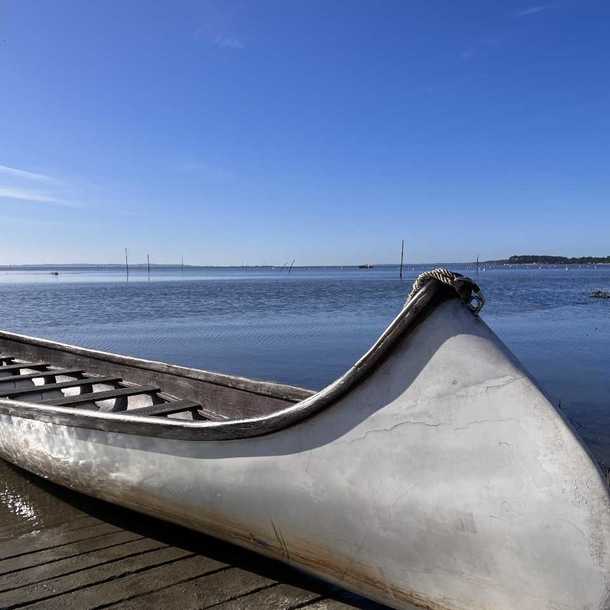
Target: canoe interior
(54,374)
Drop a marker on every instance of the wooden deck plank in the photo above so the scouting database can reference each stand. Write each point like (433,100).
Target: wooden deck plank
(49,556)
(277,597)
(200,592)
(76,563)
(70,521)
(333,604)
(349,601)
(48,387)
(33,543)
(96,396)
(117,581)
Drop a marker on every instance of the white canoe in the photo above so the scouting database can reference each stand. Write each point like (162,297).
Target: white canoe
(434,472)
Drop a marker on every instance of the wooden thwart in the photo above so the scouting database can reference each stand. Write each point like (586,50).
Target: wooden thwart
(95,396)
(45,373)
(166,408)
(84,382)
(24,365)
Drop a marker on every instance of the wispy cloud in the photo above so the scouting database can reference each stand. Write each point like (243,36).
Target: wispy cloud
(229,42)
(32,187)
(21,194)
(22,174)
(533,10)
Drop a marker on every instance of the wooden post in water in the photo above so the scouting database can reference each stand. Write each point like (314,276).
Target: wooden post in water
(477,265)
(402,256)
(148,265)
(126,265)
(182,264)
(291,264)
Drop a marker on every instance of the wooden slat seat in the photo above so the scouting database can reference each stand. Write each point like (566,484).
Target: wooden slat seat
(25,365)
(166,408)
(97,396)
(85,381)
(45,373)
(208,414)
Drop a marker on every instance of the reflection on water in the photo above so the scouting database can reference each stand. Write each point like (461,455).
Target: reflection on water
(26,504)
(303,328)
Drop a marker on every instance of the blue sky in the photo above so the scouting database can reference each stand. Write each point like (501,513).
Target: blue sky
(259,132)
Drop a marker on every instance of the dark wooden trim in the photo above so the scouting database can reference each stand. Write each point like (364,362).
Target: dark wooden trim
(106,395)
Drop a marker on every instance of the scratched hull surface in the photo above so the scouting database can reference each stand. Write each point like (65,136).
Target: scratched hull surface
(444,478)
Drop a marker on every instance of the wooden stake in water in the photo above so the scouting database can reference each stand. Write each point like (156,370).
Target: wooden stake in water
(126,265)
(477,265)
(148,265)
(402,256)
(291,265)
(182,265)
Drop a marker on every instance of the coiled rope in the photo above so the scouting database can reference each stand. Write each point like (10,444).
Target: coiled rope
(466,288)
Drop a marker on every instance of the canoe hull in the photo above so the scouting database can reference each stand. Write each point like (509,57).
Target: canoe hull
(445,479)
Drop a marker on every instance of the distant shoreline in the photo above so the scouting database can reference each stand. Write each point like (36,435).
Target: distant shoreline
(516,260)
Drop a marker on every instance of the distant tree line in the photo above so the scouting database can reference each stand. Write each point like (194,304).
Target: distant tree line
(537,259)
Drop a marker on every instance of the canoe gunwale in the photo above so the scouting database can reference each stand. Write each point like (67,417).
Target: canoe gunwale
(418,308)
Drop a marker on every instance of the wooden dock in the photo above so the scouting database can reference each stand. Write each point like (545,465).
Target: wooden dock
(99,556)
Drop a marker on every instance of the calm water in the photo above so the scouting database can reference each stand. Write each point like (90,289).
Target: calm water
(307,327)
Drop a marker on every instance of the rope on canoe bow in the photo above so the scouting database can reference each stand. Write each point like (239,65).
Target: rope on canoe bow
(466,288)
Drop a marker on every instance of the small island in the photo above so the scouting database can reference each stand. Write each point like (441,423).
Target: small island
(539,259)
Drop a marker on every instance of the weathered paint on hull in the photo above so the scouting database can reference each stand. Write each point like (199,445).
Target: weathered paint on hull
(446,478)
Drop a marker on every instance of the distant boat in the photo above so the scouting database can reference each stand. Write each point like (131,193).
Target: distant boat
(434,472)
(54,272)
(366,266)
